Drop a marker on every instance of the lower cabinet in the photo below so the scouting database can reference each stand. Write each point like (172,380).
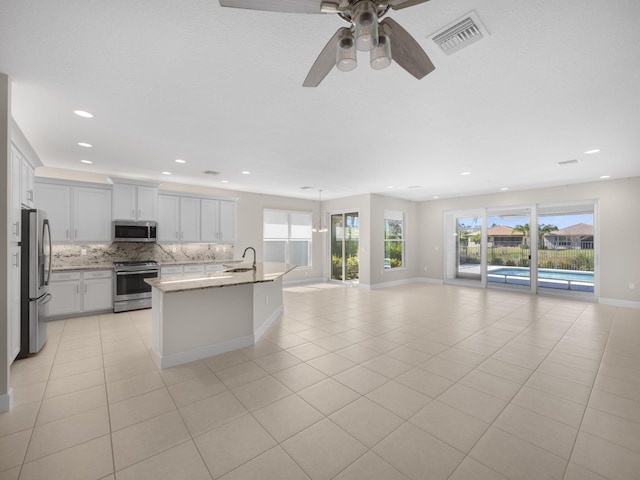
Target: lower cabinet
(79,292)
(14,323)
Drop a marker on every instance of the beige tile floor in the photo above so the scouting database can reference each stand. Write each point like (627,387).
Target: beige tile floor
(413,382)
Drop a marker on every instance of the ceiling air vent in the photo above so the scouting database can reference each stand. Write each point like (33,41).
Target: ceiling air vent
(211,172)
(566,163)
(459,34)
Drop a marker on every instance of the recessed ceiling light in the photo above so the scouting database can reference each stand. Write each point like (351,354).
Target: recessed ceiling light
(246,172)
(86,161)
(178,160)
(595,150)
(605,176)
(465,173)
(414,187)
(436,197)
(82,113)
(166,173)
(504,189)
(85,144)
(224,181)
(306,188)
(389,187)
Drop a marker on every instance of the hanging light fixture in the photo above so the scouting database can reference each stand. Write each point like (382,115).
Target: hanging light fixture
(321,228)
(365,18)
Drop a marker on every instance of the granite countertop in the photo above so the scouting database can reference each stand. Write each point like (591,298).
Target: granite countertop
(265,272)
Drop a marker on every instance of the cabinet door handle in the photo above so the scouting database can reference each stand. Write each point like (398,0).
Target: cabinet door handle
(31,195)
(139,213)
(176,235)
(17,227)
(85,288)
(16,262)
(67,236)
(77,289)
(76,233)
(133,213)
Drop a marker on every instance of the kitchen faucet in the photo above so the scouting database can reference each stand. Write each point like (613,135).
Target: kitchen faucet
(254,255)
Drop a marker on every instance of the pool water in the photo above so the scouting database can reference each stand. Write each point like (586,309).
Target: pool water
(545,273)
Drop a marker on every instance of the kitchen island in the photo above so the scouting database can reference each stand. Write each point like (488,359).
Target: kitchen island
(199,315)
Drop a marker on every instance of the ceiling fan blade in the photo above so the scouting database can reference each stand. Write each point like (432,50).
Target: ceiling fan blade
(405,51)
(325,61)
(288,6)
(399,4)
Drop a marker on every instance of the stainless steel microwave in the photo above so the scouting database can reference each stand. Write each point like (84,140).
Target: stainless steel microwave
(131,231)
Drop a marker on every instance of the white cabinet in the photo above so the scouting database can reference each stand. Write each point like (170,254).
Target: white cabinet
(16,165)
(80,292)
(91,214)
(55,199)
(171,270)
(189,219)
(76,213)
(193,268)
(168,218)
(134,202)
(27,180)
(14,321)
(218,223)
(97,290)
(65,294)
(195,219)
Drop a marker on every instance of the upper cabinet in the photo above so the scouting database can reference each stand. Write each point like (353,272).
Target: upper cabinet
(135,202)
(77,212)
(218,221)
(183,218)
(27,180)
(16,193)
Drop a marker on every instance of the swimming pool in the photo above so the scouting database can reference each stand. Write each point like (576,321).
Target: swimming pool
(545,273)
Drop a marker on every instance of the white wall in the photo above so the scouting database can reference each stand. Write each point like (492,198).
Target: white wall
(619,226)
(5,237)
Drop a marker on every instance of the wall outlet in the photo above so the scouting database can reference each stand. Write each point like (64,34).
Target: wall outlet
(425,269)
(83,251)
(632,286)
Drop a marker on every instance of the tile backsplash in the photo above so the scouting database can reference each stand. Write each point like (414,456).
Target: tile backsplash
(68,255)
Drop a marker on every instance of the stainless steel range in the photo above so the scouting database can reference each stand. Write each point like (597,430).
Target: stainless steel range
(130,292)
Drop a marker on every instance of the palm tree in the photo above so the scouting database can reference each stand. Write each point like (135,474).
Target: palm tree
(525,230)
(543,229)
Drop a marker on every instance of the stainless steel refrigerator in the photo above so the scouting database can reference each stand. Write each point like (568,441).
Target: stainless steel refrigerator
(36,271)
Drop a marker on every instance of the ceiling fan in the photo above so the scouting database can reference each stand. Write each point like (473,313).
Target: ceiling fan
(383,40)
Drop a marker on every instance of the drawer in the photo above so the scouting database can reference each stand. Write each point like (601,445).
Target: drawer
(61,276)
(214,267)
(172,270)
(193,268)
(98,274)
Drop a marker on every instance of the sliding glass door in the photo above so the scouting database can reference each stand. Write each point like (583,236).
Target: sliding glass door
(566,246)
(508,241)
(538,248)
(345,241)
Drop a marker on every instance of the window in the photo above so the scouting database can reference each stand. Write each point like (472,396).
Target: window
(393,239)
(287,237)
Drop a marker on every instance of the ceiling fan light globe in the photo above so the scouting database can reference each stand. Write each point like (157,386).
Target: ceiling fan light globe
(346,56)
(346,64)
(366,25)
(380,56)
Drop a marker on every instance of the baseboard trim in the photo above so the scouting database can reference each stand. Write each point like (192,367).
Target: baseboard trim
(6,401)
(436,281)
(619,303)
(168,361)
(267,323)
(293,283)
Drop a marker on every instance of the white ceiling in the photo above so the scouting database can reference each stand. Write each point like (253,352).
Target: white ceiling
(221,89)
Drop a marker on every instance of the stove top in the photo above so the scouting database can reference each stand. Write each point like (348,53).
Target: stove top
(136,263)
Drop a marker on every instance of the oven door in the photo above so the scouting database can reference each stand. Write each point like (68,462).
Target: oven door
(130,285)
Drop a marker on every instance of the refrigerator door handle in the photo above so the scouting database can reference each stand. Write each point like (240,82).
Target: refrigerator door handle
(46,227)
(46,298)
